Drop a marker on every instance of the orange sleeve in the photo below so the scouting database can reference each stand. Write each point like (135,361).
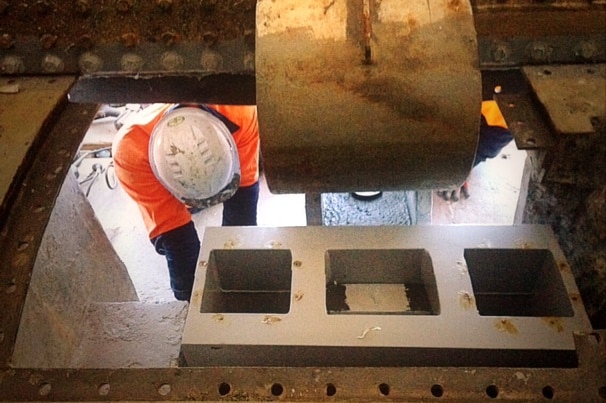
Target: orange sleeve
(492,114)
(160,210)
(246,138)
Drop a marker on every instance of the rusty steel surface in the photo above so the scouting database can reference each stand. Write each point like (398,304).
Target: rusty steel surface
(313,384)
(398,109)
(20,123)
(27,216)
(208,37)
(585,383)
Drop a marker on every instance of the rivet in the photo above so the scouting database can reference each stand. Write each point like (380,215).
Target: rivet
(6,41)
(83,7)
(90,63)
(11,287)
(501,52)
(164,389)
(211,61)
(48,41)
(171,61)
(20,260)
(209,38)
(130,39)
(52,64)
(39,209)
(103,389)
(12,65)
(131,62)
(124,6)
(164,5)
(44,389)
(42,7)
(586,50)
(169,38)
(539,51)
(85,41)
(297,263)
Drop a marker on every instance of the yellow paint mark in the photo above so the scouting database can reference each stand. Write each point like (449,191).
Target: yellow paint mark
(506,325)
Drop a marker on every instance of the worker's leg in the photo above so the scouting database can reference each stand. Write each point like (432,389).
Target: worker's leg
(491,141)
(181,247)
(241,208)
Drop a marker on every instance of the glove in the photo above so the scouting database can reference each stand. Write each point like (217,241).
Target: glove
(454,195)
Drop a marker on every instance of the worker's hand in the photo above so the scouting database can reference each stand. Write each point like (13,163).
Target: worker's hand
(455,194)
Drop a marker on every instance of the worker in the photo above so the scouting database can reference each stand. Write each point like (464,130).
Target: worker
(173,158)
(494,136)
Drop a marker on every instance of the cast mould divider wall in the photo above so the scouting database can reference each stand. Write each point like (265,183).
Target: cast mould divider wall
(383,296)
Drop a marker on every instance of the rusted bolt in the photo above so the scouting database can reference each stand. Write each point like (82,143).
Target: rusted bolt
(48,41)
(12,65)
(586,50)
(85,41)
(171,61)
(6,41)
(209,38)
(164,5)
(169,38)
(90,63)
(130,39)
(500,53)
(539,51)
(11,287)
(52,64)
(83,7)
(131,62)
(44,389)
(124,6)
(42,7)
(164,389)
(103,389)
(211,61)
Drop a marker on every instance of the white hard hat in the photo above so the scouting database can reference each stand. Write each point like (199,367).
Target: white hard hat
(193,154)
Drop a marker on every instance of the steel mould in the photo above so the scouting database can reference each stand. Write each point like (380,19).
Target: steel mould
(334,296)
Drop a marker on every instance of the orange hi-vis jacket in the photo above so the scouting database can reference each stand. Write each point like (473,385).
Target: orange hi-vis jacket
(492,114)
(161,211)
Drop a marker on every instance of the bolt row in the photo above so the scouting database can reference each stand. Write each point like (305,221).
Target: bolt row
(90,62)
(84,7)
(542,52)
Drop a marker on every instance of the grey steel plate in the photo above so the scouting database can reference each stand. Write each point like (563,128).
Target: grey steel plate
(573,95)
(454,333)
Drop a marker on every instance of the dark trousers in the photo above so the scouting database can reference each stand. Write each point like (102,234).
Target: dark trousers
(181,246)
(491,141)
(241,208)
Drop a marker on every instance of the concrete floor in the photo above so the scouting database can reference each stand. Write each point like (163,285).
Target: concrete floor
(494,187)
